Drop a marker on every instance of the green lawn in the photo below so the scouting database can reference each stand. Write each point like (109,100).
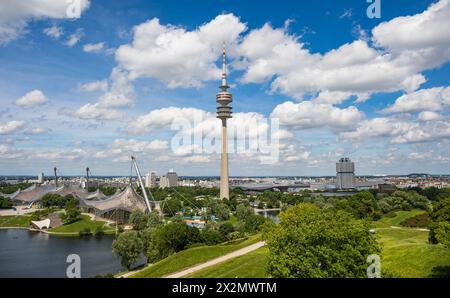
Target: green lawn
(15,221)
(399,216)
(83,223)
(192,256)
(406,253)
(251,265)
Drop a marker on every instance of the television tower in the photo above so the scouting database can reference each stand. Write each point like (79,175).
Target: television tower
(224,98)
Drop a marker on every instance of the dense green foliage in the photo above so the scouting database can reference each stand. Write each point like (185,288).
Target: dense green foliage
(5,203)
(440,227)
(164,240)
(219,209)
(138,220)
(7,188)
(313,242)
(56,200)
(72,213)
(128,247)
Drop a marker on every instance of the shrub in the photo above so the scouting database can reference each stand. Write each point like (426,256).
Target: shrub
(211,237)
(85,232)
(99,232)
(225,229)
(418,221)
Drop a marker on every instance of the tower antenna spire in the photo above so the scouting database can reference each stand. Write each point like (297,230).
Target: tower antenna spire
(224,85)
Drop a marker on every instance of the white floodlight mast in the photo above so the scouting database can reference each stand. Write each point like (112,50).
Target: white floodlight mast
(141,183)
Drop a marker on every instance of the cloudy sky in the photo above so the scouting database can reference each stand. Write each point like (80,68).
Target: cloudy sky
(91,84)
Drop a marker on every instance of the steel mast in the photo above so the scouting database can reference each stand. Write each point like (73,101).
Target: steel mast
(133,160)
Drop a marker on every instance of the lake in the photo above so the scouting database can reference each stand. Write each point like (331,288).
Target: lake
(33,254)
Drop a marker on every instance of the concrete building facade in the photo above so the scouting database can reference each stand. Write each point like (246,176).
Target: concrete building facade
(345,174)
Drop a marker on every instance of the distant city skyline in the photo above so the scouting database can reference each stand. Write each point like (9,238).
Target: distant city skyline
(91,91)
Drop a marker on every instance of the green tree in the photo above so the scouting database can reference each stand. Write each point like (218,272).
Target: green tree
(154,219)
(219,209)
(72,213)
(211,237)
(253,223)
(243,211)
(167,239)
(310,242)
(5,203)
(138,219)
(128,247)
(440,227)
(225,229)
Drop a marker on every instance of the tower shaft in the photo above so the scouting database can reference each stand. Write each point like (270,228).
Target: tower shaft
(224,187)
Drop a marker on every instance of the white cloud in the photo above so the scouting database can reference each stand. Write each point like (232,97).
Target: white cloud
(53,31)
(409,45)
(97,112)
(353,68)
(308,114)
(399,131)
(175,56)
(94,47)
(94,86)
(433,99)
(38,130)
(11,127)
(31,99)
(429,116)
(422,33)
(119,95)
(196,159)
(15,15)
(163,118)
(121,91)
(121,149)
(75,37)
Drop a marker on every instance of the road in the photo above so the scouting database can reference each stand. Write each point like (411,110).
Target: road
(218,260)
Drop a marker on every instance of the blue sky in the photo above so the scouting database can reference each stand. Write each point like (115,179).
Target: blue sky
(93,89)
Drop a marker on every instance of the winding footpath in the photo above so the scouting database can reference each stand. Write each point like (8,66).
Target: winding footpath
(209,263)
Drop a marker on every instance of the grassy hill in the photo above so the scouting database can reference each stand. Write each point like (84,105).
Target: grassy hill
(406,253)
(83,223)
(251,265)
(395,218)
(192,256)
(17,221)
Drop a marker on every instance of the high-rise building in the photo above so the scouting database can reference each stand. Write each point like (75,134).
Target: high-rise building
(169,180)
(224,98)
(150,179)
(345,174)
(40,178)
(173,178)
